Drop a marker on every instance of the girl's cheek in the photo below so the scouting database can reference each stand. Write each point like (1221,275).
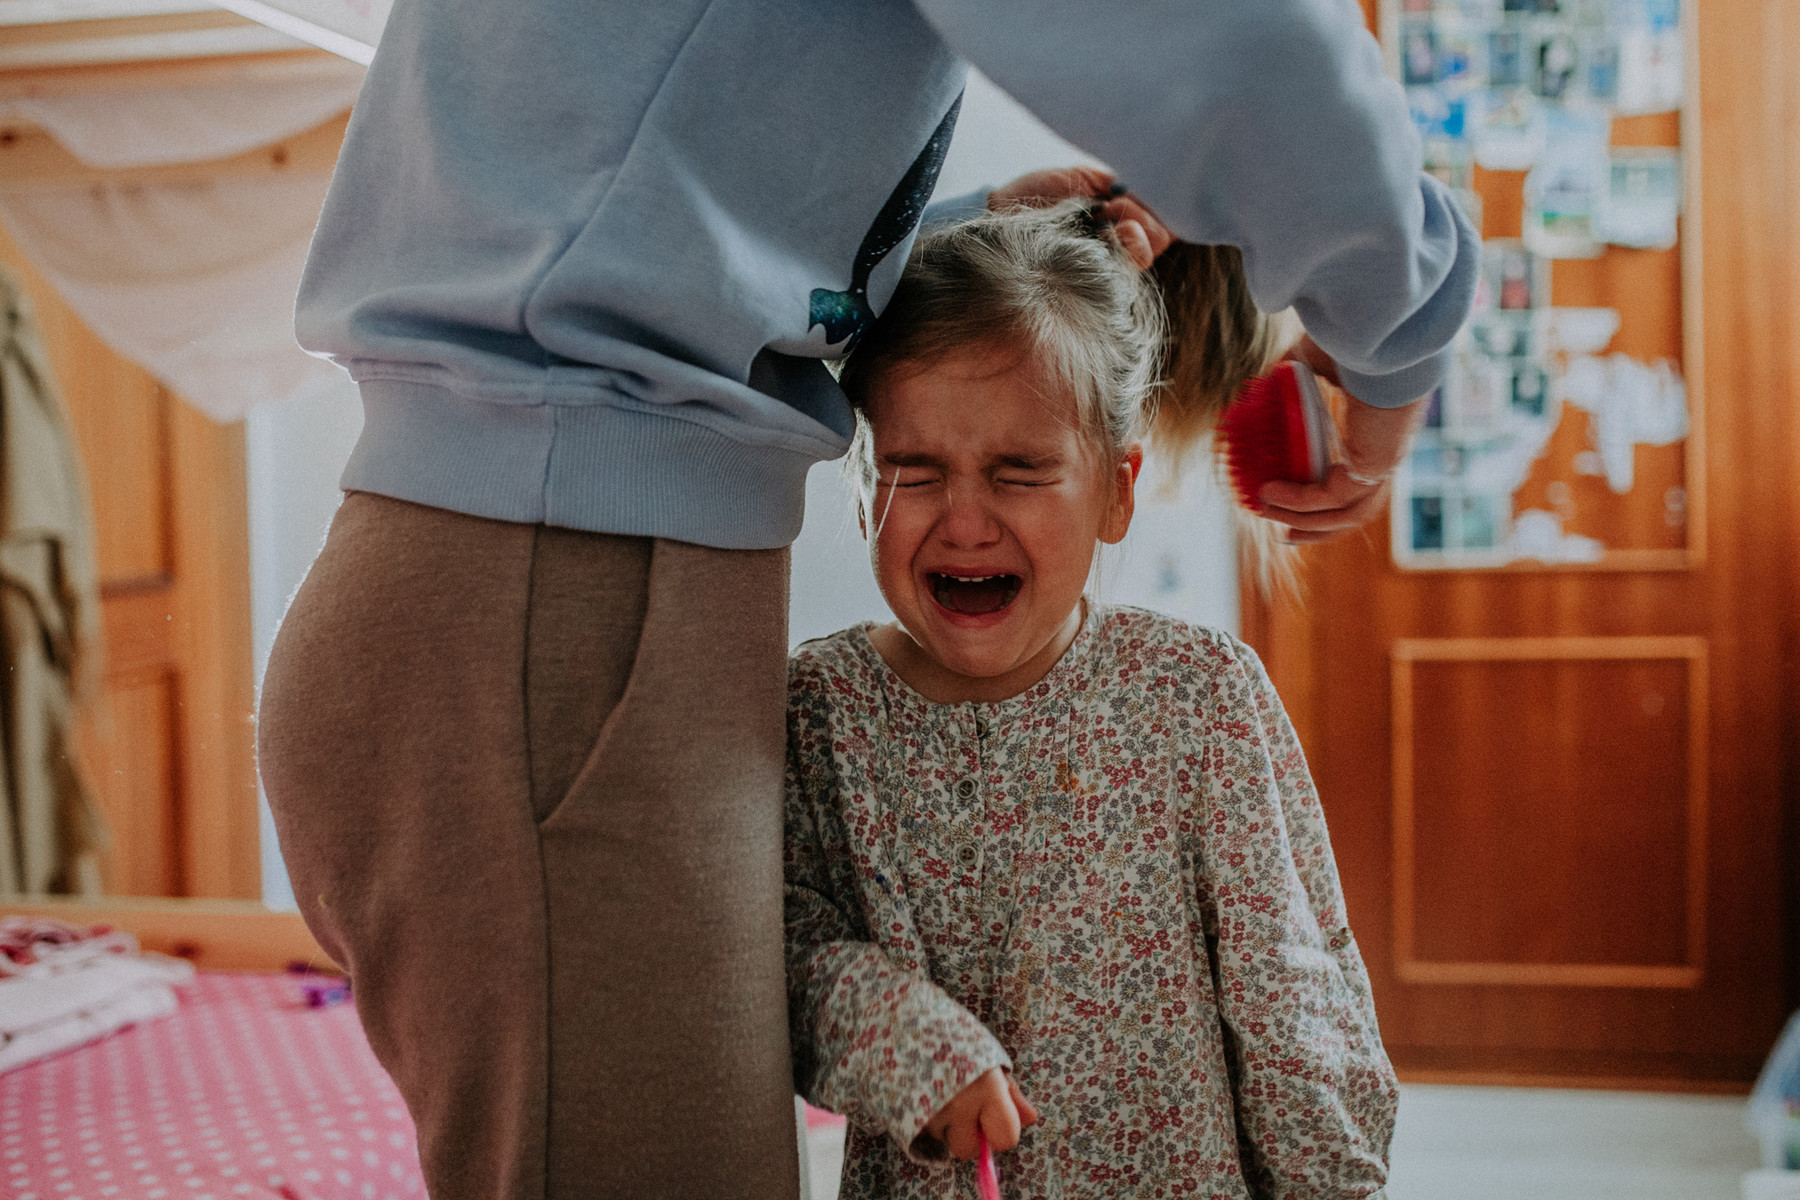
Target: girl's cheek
(901,516)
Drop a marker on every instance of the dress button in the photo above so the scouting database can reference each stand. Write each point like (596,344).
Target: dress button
(967,854)
(981,727)
(965,788)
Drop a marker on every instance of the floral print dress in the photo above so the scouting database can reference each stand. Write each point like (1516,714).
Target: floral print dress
(1118,884)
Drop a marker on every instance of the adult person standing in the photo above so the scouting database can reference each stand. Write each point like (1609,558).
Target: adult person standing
(522,727)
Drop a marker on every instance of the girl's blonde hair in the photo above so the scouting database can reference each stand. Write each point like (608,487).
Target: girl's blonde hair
(1153,355)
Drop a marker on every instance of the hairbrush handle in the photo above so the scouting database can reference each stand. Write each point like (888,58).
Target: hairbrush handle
(987,1179)
(1278,428)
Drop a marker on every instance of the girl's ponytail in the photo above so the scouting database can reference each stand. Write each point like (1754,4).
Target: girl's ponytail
(1216,339)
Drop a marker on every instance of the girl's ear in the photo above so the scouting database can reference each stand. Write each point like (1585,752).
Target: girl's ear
(1124,499)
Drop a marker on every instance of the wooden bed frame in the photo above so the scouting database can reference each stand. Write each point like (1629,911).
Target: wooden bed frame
(215,935)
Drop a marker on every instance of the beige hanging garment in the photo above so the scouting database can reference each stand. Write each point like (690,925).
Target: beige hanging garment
(52,833)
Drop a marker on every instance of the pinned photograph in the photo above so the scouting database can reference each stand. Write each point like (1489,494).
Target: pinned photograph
(1448,159)
(1642,200)
(1506,58)
(1502,334)
(1434,408)
(1562,192)
(1651,79)
(1511,131)
(1530,388)
(1427,512)
(1481,521)
(1518,281)
(1600,63)
(1560,201)
(1556,60)
(1460,52)
(1418,54)
(1437,114)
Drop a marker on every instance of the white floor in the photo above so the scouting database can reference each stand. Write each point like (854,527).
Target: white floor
(1469,1143)
(1566,1144)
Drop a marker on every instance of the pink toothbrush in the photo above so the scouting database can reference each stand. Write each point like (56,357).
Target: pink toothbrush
(987,1180)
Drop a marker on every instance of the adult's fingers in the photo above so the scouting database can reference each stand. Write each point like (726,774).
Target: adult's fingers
(1136,244)
(1129,208)
(1336,491)
(1040,188)
(1337,520)
(1309,518)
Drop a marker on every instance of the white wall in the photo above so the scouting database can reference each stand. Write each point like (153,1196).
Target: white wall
(294,452)
(1178,557)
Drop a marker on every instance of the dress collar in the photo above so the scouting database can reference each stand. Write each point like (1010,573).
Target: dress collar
(1070,676)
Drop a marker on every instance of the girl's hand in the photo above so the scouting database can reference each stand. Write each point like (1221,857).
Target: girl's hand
(993,1103)
(1141,232)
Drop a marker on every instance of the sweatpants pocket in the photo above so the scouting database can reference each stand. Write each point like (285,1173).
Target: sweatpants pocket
(584,634)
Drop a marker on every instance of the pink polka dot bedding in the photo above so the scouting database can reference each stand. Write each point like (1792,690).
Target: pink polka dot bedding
(245,1091)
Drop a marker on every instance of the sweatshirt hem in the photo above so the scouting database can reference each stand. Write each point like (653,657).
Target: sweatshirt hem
(596,467)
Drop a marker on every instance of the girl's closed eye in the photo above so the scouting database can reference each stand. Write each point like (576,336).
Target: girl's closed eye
(891,475)
(1029,471)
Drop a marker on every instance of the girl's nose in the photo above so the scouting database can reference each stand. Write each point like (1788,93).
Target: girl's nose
(968,520)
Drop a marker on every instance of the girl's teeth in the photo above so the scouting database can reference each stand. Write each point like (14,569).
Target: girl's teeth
(975,594)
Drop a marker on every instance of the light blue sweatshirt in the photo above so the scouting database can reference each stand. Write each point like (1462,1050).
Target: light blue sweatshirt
(584,256)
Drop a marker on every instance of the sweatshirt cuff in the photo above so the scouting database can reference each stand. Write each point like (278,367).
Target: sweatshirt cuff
(1400,388)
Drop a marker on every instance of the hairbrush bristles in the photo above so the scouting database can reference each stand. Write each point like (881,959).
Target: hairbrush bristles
(1277,428)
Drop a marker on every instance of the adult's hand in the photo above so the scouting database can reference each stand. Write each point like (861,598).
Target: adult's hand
(1353,492)
(1140,231)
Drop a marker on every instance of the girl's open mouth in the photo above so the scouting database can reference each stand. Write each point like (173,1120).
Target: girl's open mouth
(974,595)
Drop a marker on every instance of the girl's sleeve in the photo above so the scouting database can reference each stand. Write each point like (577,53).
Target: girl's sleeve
(1314,1090)
(873,1039)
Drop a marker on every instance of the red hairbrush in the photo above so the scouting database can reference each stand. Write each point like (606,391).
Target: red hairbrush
(1277,428)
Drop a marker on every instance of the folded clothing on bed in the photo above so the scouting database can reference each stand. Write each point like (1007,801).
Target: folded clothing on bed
(65,985)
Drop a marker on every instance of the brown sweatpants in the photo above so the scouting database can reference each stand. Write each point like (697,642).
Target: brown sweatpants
(528,786)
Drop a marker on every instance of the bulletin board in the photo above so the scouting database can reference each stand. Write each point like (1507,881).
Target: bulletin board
(1567,432)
